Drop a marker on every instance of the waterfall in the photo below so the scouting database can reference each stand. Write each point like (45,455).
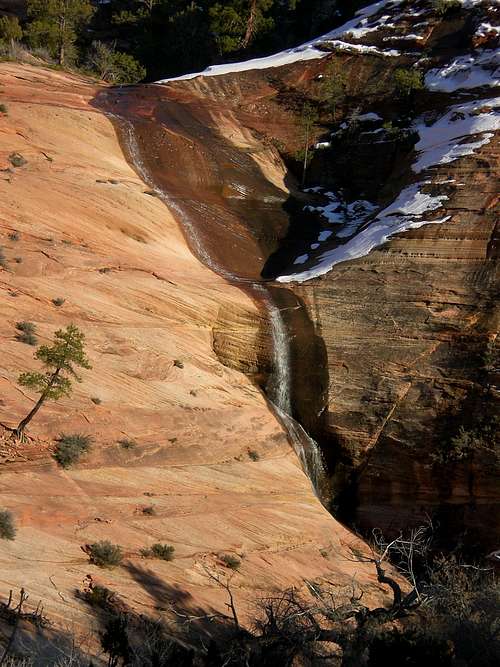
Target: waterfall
(279,390)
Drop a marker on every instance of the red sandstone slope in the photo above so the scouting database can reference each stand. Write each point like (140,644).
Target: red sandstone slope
(90,233)
(400,333)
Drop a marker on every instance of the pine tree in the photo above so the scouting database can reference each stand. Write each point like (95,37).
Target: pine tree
(56,24)
(10,30)
(59,359)
(334,87)
(238,23)
(308,119)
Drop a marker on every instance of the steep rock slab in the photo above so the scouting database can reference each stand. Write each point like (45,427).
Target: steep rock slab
(78,224)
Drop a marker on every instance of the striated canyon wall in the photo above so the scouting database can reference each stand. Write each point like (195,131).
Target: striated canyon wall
(210,469)
(389,349)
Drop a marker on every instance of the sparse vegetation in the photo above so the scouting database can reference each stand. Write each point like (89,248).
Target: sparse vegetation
(230,561)
(7,527)
(160,551)
(3,259)
(127,443)
(55,26)
(114,66)
(178,363)
(3,109)
(58,301)
(14,236)
(149,510)
(59,361)
(333,87)
(407,81)
(482,435)
(10,29)
(26,333)
(70,448)
(442,7)
(253,455)
(99,597)
(491,355)
(105,554)
(308,119)
(17,160)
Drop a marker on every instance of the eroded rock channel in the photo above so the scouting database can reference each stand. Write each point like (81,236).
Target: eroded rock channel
(232,215)
(384,363)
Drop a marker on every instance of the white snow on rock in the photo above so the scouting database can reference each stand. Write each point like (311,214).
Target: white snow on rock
(471,71)
(308,51)
(406,212)
(370,116)
(302,259)
(485,29)
(460,131)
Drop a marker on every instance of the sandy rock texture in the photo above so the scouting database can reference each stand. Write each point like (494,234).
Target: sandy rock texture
(77,223)
(401,335)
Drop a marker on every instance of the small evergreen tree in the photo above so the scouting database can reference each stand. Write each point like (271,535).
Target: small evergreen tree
(407,81)
(55,24)
(10,30)
(59,360)
(333,88)
(308,119)
(237,24)
(114,66)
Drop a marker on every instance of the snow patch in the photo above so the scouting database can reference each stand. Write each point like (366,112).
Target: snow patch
(403,214)
(449,138)
(308,51)
(471,71)
(460,131)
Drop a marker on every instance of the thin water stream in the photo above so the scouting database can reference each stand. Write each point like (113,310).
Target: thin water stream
(279,389)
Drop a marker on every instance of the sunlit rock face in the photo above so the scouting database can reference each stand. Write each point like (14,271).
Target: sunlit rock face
(179,356)
(392,347)
(393,254)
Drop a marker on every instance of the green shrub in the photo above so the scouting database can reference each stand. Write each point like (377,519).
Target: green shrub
(10,29)
(114,66)
(230,561)
(127,443)
(482,436)
(58,301)
(14,236)
(100,597)
(17,160)
(408,81)
(253,455)
(160,551)
(27,333)
(70,448)
(7,527)
(442,7)
(105,554)
(3,108)
(3,259)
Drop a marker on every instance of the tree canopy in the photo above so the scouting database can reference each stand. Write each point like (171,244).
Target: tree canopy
(127,40)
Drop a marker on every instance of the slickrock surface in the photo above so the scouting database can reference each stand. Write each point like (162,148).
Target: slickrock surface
(90,234)
(401,334)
